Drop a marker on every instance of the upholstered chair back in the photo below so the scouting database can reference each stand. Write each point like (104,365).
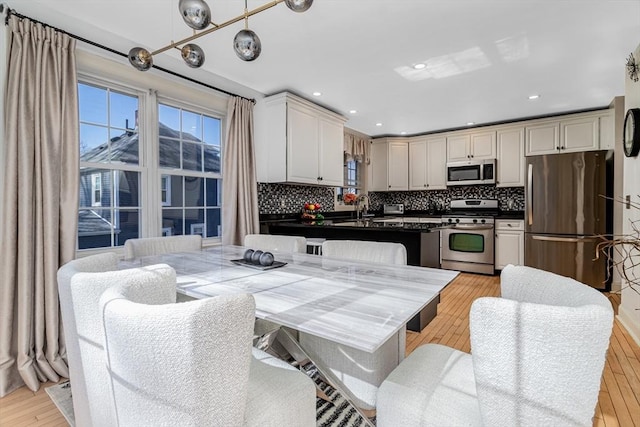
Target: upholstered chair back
(377,252)
(274,242)
(84,348)
(136,248)
(181,364)
(539,351)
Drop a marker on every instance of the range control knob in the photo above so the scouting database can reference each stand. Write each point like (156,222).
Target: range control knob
(475,221)
(457,219)
(483,221)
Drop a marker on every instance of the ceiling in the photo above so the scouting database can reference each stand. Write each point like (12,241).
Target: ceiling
(484,58)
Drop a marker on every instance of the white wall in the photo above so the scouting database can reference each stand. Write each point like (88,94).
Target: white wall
(629,310)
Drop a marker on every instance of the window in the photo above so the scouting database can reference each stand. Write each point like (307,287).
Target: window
(352,180)
(189,158)
(182,185)
(96,189)
(109,167)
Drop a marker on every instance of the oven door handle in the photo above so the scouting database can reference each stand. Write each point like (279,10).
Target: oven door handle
(472,227)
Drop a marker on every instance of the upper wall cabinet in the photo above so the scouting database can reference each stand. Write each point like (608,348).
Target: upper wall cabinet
(510,161)
(388,170)
(574,133)
(298,142)
(477,145)
(427,160)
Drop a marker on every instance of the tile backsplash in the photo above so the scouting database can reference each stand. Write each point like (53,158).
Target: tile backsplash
(288,198)
(425,200)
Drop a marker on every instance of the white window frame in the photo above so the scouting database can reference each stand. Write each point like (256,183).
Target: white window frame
(103,72)
(360,185)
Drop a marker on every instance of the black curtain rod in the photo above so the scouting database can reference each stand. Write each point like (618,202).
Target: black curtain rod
(11,12)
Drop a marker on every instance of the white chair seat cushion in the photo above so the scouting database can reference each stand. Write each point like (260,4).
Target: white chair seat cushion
(433,386)
(279,394)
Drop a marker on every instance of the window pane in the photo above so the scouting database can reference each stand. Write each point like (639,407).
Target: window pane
(177,200)
(191,156)
(124,146)
(128,188)
(169,153)
(193,191)
(194,221)
(172,221)
(89,179)
(93,101)
(169,121)
(191,126)
(123,110)
(211,159)
(94,228)
(213,186)
(128,225)
(214,223)
(94,143)
(211,134)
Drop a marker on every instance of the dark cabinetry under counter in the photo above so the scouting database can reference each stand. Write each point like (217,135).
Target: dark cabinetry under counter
(422,243)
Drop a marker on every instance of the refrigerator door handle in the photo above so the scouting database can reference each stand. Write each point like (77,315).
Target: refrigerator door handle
(530,194)
(564,239)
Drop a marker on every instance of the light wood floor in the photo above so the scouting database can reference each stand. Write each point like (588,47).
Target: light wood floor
(618,405)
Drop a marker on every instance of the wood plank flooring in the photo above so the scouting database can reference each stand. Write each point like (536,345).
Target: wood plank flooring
(618,404)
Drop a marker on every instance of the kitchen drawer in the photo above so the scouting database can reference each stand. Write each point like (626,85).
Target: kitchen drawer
(509,224)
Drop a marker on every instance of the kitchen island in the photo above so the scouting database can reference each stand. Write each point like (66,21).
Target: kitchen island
(422,240)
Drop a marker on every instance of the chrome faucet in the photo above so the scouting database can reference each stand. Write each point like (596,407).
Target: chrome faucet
(361,209)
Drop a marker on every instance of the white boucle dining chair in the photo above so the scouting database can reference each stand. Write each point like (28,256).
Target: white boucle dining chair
(378,252)
(146,246)
(83,340)
(192,364)
(276,242)
(537,357)
(362,377)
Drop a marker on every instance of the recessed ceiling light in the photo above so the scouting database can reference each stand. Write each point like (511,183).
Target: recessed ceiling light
(403,133)
(317,93)
(419,66)
(471,123)
(378,124)
(534,96)
(353,111)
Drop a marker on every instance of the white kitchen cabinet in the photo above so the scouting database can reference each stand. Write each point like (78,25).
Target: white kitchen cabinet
(581,134)
(543,138)
(427,163)
(571,134)
(298,142)
(510,160)
(477,145)
(509,245)
(389,165)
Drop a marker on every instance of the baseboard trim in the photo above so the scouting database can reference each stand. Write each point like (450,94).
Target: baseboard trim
(627,321)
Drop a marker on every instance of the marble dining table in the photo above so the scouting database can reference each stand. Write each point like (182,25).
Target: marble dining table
(357,304)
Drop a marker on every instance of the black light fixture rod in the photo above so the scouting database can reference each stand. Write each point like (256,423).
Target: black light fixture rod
(11,12)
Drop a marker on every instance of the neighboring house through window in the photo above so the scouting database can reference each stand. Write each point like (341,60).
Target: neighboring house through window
(96,189)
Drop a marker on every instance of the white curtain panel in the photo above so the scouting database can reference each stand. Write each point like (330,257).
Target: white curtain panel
(239,182)
(39,208)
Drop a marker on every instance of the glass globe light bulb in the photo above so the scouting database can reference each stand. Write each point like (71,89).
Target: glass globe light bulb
(193,55)
(140,58)
(298,5)
(195,13)
(247,45)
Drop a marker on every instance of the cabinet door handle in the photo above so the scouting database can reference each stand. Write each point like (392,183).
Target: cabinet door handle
(509,225)
(389,186)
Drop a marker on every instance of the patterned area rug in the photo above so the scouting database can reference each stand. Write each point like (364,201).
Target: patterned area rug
(336,413)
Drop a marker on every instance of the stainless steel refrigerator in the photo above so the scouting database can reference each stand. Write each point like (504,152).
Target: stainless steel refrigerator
(567,212)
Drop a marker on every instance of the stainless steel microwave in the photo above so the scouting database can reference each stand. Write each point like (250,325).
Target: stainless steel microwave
(471,172)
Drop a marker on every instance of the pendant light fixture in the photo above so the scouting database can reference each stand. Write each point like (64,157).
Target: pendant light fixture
(197,15)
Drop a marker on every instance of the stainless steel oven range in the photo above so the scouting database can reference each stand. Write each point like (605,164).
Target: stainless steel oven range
(468,244)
